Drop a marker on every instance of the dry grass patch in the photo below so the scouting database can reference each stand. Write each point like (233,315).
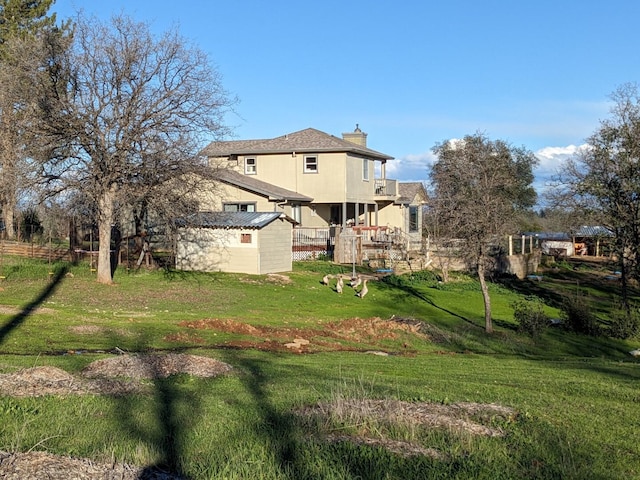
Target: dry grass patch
(39,381)
(42,465)
(372,421)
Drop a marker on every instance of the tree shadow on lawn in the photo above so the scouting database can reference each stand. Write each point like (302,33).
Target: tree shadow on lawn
(17,320)
(282,430)
(278,428)
(395,284)
(539,450)
(556,286)
(175,410)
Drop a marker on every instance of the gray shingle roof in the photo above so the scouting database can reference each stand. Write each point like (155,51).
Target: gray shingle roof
(309,140)
(273,192)
(254,220)
(407,191)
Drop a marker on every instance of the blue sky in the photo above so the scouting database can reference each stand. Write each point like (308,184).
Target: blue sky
(410,73)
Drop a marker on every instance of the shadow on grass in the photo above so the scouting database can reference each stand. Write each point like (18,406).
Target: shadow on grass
(173,411)
(17,320)
(277,428)
(396,283)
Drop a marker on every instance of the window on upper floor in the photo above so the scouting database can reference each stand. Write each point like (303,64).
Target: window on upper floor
(245,238)
(250,166)
(310,164)
(365,169)
(413,219)
(239,207)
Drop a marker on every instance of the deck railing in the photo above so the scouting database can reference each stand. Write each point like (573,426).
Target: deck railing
(386,187)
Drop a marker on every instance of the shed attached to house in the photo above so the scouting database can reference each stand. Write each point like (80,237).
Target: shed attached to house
(236,242)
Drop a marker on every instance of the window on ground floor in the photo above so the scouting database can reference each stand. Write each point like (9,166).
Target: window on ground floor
(413,219)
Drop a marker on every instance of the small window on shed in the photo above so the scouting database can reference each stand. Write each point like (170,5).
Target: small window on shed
(245,238)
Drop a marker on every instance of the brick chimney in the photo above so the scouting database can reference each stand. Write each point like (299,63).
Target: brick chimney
(357,136)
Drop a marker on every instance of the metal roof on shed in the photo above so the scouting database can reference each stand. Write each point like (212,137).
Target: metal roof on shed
(231,219)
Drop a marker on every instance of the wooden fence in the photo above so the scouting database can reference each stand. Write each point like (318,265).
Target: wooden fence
(34,250)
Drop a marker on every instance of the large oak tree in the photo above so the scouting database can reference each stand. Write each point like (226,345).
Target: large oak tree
(480,188)
(123,116)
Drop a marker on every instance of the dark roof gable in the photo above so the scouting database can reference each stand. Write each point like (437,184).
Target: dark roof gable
(272,192)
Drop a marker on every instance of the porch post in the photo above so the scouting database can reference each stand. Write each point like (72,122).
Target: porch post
(375,209)
(356,215)
(344,215)
(366,215)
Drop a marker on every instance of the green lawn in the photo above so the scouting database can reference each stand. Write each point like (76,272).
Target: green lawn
(576,397)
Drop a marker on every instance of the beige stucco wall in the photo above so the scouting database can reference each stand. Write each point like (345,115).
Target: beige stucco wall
(216,250)
(358,189)
(338,173)
(275,247)
(212,199)
(220,250)
(392,216)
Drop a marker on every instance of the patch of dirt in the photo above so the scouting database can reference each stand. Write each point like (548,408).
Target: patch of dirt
(95,329)
(39,381)
(367,331)
(278,279)
(119,375)
(381,415)
(87,329)
(9,310)
(402,448)
(182,337)
(42,465)
(155,366)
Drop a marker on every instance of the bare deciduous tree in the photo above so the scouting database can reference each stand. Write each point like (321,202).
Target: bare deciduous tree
(604,180)
(19,20)
(123,116)
(480,187)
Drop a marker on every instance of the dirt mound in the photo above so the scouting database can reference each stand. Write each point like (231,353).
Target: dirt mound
(39,381)
(102,376)
(155,366)
(40,465)
(367,331)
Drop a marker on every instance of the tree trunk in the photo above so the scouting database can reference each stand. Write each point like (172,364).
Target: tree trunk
(7,216)
(488,323)
(105,220)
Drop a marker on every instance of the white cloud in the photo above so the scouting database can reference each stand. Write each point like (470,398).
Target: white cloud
(551,158)
(411,167)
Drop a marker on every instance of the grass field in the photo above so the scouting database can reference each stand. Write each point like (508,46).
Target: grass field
(413,344)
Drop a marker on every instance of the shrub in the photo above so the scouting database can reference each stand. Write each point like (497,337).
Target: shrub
(530,317)
(625,323)
(578,317)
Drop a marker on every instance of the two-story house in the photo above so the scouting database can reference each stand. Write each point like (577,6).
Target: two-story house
(317,179)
